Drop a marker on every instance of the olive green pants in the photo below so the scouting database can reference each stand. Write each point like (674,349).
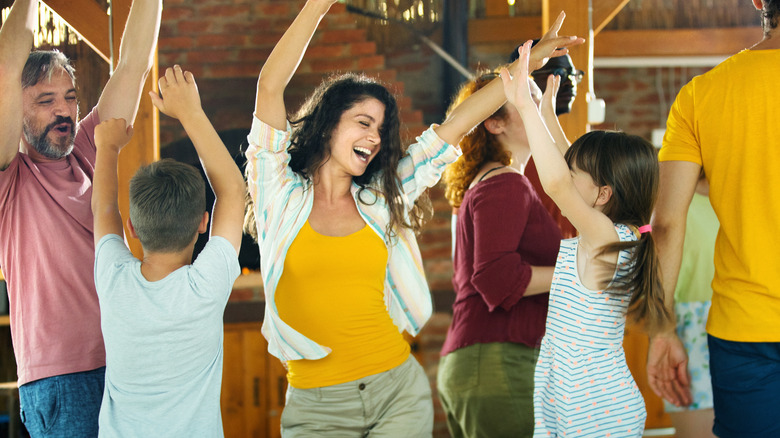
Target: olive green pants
(486,390)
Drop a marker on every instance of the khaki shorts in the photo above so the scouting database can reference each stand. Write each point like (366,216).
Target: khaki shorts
(395,403)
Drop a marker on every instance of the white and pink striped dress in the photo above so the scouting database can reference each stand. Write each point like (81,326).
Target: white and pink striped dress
(582,384)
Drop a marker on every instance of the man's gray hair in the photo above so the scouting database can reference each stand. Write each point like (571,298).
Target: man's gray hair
(41,64)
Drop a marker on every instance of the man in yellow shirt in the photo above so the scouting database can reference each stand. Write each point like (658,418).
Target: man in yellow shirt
(724,121)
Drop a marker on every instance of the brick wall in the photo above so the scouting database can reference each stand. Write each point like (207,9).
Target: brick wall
(638,99)
(225,42)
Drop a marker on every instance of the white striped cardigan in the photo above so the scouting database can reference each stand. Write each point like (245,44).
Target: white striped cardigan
(282,202)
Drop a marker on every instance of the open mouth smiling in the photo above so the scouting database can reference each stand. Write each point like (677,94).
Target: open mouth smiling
(362,153)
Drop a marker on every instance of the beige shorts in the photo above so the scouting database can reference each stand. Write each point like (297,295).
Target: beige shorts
(395,403)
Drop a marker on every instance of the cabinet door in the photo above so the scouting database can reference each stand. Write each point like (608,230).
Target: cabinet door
(276,378)
(635,344)
(244,396)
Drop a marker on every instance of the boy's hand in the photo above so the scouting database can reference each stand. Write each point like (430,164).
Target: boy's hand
(113,134)
(179,93)
(516,87)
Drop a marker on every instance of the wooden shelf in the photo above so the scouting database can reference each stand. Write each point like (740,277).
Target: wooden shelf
(252,280)
(5,320)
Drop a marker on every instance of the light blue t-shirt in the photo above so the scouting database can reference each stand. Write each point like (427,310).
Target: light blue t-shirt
(163,342)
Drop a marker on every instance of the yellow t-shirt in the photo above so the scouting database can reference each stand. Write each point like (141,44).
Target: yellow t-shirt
(727,121)
(332,292)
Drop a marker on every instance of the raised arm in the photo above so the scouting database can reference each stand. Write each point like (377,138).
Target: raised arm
(667,360)
(284,60)
(180,99)
(547,109)
(110,137)
(489,98)
(122,94)
(554,174)
(16,39)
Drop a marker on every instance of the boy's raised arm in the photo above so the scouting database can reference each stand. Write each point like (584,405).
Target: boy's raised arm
(180,99)
(16,39)
(110,137)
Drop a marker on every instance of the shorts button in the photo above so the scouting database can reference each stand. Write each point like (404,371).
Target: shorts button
(362,386)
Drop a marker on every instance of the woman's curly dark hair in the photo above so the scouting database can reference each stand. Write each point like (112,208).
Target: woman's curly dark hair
(313,126)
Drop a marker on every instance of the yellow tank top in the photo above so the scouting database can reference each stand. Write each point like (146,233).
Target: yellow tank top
(332,292)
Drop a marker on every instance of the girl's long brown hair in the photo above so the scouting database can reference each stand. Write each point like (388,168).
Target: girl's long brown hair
(628,164)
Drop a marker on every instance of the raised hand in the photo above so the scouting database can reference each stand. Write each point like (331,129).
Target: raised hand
(179,93)
(516,87)
(113,134)
(549,97)
(552,45)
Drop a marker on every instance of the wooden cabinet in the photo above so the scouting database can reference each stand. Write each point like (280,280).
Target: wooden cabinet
(635,344)
(254,384)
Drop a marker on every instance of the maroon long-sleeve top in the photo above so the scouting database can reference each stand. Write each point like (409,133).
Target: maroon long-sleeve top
(502,230)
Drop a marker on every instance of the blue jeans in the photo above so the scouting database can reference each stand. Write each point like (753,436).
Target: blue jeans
(745,388)
(63,406)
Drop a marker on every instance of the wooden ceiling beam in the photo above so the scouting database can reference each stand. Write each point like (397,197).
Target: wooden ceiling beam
(620,43)
(604,11)
(504,29)
(88,20)
(675,42)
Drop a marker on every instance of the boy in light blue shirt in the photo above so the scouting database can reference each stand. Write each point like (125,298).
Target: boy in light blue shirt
(162,317)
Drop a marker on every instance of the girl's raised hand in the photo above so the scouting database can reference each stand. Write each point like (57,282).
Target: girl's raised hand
(549,97)
(516,87)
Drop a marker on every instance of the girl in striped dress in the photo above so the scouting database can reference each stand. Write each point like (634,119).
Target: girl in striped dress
(606,185)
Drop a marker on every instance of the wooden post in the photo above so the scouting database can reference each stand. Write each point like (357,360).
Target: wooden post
(576,122)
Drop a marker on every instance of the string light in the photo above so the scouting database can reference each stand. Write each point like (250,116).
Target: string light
(51,29)
(412,11)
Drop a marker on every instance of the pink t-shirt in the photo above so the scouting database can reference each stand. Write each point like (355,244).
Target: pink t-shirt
(47,256)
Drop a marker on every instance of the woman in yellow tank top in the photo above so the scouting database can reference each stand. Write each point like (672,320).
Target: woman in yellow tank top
(333,205)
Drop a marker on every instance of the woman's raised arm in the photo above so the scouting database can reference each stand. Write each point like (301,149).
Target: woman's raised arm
(283,61)
(487,100)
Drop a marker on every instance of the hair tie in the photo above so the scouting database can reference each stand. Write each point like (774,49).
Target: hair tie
(645,229)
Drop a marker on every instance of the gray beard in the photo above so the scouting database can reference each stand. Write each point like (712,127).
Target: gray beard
(48,148)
